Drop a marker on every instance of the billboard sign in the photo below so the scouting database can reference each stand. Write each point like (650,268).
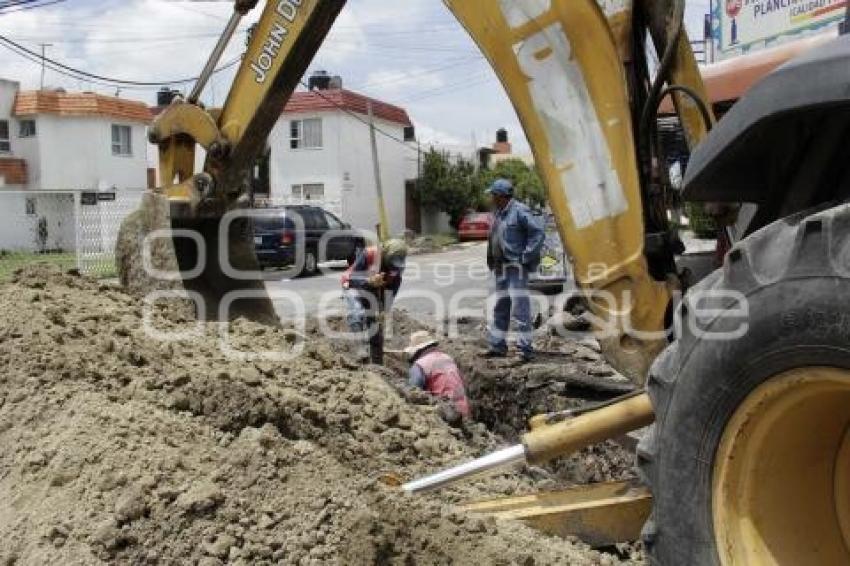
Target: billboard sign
(745,22)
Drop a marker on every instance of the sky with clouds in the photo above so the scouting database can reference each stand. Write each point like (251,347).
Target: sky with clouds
(408,52)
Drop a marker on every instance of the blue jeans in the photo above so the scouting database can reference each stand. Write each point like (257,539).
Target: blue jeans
(356,310)
(511,288)
(361,316)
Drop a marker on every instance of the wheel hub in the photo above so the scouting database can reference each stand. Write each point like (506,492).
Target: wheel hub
(781,484)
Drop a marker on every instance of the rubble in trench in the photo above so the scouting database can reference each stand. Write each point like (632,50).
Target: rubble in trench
(118,448)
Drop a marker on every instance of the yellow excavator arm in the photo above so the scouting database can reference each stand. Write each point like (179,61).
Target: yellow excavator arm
(562,64)
(224,281)
(283,43)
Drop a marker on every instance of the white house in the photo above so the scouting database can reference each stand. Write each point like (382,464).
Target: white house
(75,141)
(64,158)
(320,151)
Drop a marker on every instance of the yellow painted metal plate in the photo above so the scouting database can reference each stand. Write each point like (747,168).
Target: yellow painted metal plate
(599,514)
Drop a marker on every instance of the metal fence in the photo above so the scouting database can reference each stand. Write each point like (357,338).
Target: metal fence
(78,229)
(99,217)
(72,229)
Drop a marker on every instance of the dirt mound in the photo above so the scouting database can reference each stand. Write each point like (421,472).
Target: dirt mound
(124,449)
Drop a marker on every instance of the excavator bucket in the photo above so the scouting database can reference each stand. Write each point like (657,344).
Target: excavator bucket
(157,253)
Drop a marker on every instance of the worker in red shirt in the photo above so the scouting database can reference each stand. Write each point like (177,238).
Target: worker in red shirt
(436,372)
(368,287)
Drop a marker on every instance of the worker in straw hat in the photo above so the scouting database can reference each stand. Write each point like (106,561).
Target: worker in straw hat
(435,372)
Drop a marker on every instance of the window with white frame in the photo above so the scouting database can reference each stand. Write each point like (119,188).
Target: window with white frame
(26,129)
(305,134)
(309,191)
(121,140)
(5,144)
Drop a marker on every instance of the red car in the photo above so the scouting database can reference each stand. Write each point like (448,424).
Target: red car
(475,226)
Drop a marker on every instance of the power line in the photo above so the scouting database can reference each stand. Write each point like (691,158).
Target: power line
(123,38)
(22,8)
(460,62)
(97,82)
(482,78)
(15,3)
(362,121)
(120,82)
(183,6)
(379,130)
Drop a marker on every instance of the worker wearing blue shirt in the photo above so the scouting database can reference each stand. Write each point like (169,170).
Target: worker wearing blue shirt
(513,251)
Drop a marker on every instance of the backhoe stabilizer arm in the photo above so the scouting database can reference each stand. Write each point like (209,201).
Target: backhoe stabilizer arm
(549,442)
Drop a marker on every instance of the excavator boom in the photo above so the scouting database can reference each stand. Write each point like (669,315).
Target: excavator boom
(192,224)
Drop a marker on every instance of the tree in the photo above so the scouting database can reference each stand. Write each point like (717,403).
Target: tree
(528,186)
(455,187)
(448,186)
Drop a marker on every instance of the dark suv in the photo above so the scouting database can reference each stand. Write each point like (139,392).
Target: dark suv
(277,235)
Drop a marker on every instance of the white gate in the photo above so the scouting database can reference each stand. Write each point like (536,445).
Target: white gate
(66,228)
(99,217)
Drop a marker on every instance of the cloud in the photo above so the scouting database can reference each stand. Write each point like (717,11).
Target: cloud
(401,81)
(429,135)
(408,52)
(143,40)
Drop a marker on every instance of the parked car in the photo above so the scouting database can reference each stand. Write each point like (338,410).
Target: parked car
(555,269)
(475,226)
(277,237)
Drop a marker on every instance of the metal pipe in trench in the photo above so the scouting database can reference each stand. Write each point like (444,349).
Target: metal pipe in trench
(549,442)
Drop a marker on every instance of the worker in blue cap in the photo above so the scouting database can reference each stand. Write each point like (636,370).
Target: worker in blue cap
(513,251)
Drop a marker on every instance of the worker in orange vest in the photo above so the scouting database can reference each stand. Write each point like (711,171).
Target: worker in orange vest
(436,372)
(369,286)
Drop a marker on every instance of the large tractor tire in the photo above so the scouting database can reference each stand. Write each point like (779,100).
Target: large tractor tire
(749,458)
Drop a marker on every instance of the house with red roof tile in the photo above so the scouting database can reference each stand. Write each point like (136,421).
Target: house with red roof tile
(320,151)
(60,151)
(56,140)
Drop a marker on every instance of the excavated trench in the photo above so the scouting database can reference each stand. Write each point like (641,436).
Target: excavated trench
(121,448)
(566,374)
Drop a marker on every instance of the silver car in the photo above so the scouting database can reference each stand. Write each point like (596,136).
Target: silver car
(554,268)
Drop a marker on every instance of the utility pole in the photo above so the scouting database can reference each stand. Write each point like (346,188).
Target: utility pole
(44,47)
(384,226)
(844,27)
(709,28)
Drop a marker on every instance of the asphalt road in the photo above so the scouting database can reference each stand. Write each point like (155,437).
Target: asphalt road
(436,286)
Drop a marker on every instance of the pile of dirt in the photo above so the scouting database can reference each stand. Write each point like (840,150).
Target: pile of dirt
(122,448)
